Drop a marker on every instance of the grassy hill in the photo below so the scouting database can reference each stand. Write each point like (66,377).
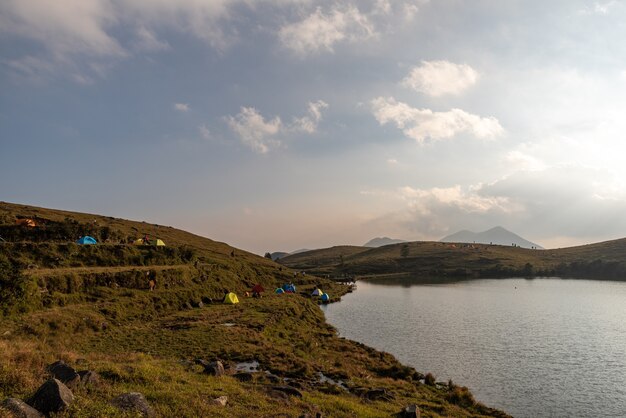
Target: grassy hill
(91,307)
(606,260)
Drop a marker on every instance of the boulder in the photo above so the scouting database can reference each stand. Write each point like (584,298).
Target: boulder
(288,390)
(221,401)
(243,376)
(52,396)
(411,411)
(89,378)
(133,401)
(379,394)
(214,368)
(65,373)
(20,409)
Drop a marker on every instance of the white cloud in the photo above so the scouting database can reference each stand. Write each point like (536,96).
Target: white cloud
(260,134)
(309,123)
(148,41)
(70,26)
(422,124)
(254,130)
(181,107)
(320,32)
(205,132)
(392,161)
(437,78)
(427,201)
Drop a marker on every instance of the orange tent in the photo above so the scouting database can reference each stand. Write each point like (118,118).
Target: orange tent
(25,222)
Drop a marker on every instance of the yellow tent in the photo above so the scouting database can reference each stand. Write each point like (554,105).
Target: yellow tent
(231,299)
(155,242)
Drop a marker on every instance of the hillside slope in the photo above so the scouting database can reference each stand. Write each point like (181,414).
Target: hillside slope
(90,306)
(606,260)
(496,235)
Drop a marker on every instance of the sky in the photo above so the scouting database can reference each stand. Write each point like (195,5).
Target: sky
(276,125)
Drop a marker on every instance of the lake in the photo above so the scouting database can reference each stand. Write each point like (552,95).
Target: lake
(544,347)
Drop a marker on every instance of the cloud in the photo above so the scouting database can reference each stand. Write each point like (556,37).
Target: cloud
(320,32)
(181,107)
(422,124)
(574,203)
(309,123)
(148,42)
(261,135)
(205,132)
(437,78)
(254,130)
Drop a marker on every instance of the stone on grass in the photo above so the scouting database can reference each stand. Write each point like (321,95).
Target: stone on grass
(411,411)
(288,390)
(379,394)
(221,401)
(89,378)
(20,409)
(133,401)
(243,376)
(65,373)
(214,368)
(52,396)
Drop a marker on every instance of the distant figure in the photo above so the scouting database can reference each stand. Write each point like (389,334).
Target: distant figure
(232,253)
(151,279)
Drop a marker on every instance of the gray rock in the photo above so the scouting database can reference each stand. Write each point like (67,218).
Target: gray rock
(214,368)
(89,378)
(380,394)
(411,411)
(52,396)
(221,401)
(20,409)
(65,373)
(288,390)
(243,376)
(133,401)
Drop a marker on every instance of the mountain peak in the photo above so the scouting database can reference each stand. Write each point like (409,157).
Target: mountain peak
(496,235)
(381,241)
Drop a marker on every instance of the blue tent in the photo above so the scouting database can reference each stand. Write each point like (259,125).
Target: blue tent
(86,240)
(289,288)
(325,297)
(279,291)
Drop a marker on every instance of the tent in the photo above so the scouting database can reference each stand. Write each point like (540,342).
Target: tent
(155,242)
(325,297)
(258,288)
(279,291)
(231,298)
(317,292)
(26,222)
(86,240)
(289,288)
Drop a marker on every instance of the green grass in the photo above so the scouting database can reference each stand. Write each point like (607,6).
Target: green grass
(91,307)
(606,260)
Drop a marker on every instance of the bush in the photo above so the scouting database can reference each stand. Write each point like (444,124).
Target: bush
(429,379)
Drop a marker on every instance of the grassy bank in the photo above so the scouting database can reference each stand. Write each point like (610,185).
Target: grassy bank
(91,307)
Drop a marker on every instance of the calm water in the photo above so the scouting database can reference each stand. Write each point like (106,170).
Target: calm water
(535,348)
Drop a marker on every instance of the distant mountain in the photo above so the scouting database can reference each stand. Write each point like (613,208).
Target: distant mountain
(380,241)
(497,235)
(301,250)
(278,254)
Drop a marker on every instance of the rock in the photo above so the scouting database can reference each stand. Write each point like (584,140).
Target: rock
(89,377)
(133,401)
(221,401)
(200,304)
(243,376)
(20,409)
(379,394)
(65,373)
(411,411)
(214,368)
(288,390)
(52,396)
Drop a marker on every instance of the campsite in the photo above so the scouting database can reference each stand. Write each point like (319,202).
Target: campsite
(183,344)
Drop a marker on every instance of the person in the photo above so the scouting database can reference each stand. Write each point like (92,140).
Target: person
(151,280)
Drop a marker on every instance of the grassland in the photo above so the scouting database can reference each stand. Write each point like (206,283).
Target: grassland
(90,306)
(606,260)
